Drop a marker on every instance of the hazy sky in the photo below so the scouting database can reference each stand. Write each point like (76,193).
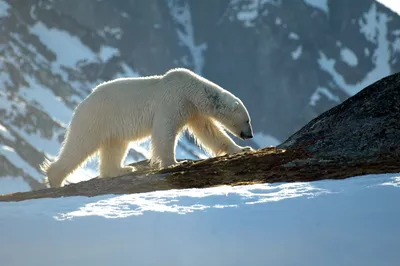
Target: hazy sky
(392,4)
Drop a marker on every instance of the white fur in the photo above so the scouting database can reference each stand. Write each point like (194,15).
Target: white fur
(123,110)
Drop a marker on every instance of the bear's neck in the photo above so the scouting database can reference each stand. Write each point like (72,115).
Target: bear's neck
(204,102)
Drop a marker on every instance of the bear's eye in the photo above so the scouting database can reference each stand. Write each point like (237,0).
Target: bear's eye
(247,121)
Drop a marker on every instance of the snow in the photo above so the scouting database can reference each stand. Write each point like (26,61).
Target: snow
(331,222)
(182,16)
(4,6)
(316,96)
(265,140)
(369,24)
(394,5)
(128,71)
(349,57)
(10,184)
(106,52)
(396,41)
(47,101)
(68,49)
(297,53)
(247,16)
(188,150)
(19,162)
(116,32)
(293,36)
(319,4)
(248,11)
(6,134)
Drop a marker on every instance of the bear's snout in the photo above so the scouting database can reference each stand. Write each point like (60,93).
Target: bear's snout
(245,135)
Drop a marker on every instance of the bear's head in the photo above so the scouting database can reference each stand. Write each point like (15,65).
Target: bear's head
(233,115)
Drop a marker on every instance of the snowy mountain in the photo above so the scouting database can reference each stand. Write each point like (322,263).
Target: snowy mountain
(288,60)
(342,222)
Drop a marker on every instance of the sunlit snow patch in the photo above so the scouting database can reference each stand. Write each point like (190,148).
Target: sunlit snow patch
(68,49)
(395,182)
(187,200)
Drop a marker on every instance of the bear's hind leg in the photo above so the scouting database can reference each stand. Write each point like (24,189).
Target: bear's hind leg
(112,155)
(164,134)
(74,152)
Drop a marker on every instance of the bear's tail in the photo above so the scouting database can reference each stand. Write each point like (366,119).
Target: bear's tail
(44,167)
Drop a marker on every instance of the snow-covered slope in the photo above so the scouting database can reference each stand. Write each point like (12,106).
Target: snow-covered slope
(55,52)
(342,222)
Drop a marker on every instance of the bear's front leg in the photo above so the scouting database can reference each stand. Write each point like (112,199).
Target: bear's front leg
(163,139)
(213,138)
(236,148)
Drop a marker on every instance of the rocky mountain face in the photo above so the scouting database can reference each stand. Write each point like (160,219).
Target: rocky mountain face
(287,60)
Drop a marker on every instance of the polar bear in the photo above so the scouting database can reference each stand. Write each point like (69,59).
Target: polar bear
(126,110)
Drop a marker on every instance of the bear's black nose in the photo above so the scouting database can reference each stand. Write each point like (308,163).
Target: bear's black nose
(245,135)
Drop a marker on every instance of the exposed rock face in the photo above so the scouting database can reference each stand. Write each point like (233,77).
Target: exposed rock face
(364,125)
(360,136)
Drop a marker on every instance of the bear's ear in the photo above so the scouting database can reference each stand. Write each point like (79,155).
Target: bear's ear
(235,106)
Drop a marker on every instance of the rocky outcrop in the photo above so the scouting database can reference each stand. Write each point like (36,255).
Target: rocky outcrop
(366,124)
(359,136)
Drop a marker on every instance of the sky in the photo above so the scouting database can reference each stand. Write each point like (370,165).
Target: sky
(392,4)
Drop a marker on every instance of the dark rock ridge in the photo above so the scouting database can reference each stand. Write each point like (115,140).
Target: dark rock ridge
(364,125)
(329,147)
